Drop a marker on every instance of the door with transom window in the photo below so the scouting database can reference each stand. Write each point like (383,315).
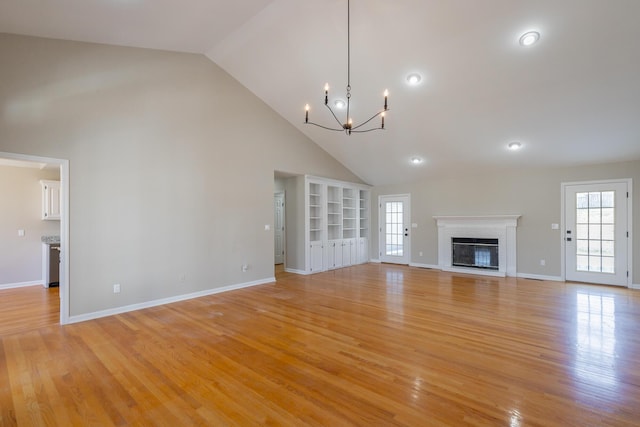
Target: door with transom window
(395,219)
(596,232)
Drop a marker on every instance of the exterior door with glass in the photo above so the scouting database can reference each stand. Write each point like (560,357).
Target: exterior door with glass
(395,220)
(596,232)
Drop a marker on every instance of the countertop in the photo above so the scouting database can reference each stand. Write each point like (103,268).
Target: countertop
(51,240)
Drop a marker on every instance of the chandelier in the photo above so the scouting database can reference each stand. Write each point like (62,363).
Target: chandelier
(348,126)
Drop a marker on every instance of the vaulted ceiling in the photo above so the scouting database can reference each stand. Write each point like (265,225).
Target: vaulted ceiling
(570,99)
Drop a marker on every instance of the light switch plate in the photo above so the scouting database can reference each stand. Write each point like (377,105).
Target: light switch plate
(555,226)
(20,233)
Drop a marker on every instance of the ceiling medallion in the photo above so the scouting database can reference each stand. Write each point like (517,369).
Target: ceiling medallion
(348,126)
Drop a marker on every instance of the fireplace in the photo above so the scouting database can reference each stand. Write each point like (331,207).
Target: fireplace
(474,253)
(499,259)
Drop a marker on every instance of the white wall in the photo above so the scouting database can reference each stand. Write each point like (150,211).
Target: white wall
(21,209)
(171,165)
(533,193)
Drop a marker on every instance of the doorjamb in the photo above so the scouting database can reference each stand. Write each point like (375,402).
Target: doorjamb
(64,224)
(284,225)
(563,188)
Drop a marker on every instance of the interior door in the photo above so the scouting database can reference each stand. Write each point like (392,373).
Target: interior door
(596,232)
(395,220)
(278,227)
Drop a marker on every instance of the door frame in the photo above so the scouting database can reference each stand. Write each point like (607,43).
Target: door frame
(563,225)
(381,240)
(284,225)
(64,224)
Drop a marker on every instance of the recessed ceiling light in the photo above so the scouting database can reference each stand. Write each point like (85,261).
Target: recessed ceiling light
(416,160)
(414,78)
(529,38)
(339,103)
(514,145)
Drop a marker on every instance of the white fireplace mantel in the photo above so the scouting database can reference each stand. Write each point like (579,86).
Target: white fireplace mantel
(501,227)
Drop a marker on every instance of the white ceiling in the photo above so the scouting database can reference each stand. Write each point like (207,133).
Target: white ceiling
(571,99)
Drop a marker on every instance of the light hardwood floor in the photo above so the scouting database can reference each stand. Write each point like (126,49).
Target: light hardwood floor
(371,345)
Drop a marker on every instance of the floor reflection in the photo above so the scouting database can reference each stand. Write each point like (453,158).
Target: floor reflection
(595,363)
(395,295)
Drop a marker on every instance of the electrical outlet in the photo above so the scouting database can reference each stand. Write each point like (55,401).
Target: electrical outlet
(543,262)
(20,233)
(420,253)
(245,267)
(116,288)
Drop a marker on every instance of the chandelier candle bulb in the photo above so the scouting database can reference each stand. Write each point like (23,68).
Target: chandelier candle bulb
(306,113)
(386,95)
(382,115)
(326,93)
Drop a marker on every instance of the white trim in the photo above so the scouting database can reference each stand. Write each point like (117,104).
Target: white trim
(629,182)
(539,277)
(476,271)
(635,286)
(64,224)
(20,284)
(381,234)
(163,301)
(296,271)
(375,261)
(429,266)
(502,227)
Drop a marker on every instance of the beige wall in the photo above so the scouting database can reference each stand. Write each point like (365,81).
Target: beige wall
(171,165)
(533,193)
(21,209)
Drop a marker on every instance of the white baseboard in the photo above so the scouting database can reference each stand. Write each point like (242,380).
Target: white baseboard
(419,265)
(476,271)
(539,277)
(163,301)
(375,261)
(20,285)
(295,271)
(635,286)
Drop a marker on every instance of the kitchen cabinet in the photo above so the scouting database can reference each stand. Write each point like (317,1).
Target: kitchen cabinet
(51,200)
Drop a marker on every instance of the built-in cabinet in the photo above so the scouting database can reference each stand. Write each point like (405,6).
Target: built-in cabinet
(337,224)
(51,200)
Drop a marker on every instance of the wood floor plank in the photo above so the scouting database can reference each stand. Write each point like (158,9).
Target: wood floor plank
(367,345)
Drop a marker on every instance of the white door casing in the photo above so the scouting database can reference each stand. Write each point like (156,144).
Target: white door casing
(596,232)
(394,228)
(278,227)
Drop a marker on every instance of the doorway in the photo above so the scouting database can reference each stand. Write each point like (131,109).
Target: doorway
(395,219)
(63,165)
(596,239)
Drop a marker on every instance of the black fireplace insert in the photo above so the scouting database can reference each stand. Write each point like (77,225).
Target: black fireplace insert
(475,253)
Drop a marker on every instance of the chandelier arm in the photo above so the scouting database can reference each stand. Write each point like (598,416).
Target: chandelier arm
(324,127)
(334,116)
(371,118)
(368,130)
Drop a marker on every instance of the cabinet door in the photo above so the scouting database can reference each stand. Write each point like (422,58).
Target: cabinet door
(363,250)
(337,254)
(316,257)
(346,253)
(50,200)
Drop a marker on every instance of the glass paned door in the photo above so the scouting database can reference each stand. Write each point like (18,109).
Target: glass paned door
(394,229)
(596,233)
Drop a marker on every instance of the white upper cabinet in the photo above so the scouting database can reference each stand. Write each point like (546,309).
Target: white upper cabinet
(51,200)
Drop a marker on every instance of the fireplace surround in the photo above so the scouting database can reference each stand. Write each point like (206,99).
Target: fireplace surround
(500,227)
